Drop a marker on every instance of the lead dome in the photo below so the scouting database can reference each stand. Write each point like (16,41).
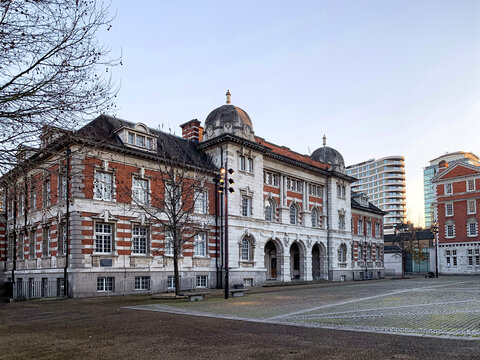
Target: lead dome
(228,119)
(328,155)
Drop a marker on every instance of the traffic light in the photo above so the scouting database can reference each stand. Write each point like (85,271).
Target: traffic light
(221,181)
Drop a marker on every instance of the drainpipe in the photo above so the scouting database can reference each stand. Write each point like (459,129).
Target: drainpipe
(328,226)
(216,231)
(67,225)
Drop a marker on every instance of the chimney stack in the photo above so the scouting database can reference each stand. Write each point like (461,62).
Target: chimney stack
(192,130)
(442,165)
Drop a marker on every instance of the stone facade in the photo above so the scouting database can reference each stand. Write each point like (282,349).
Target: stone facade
(289,218)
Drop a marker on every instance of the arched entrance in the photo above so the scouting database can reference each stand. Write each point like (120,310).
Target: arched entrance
(295,264)
(318,262)
(271,263)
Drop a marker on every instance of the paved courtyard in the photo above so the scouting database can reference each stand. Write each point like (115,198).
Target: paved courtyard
(444,307)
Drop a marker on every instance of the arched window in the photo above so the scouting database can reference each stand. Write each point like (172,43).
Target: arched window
(293,214)
(369,252)
(246,249)
(269,210)
(314,218)
(360,252)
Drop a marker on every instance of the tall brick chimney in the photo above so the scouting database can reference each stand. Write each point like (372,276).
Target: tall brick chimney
(192,130)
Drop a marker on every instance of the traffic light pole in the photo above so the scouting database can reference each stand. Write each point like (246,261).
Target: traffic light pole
(226,230)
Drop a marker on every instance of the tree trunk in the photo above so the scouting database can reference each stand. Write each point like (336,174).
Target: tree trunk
(176,274)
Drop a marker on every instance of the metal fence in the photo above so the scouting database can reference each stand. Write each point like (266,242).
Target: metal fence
(35,289)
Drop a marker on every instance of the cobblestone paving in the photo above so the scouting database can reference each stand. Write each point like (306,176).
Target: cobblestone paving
(445,307)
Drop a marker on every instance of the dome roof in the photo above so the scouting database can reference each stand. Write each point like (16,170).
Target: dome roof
(228,113)
(328,155)
(228,119)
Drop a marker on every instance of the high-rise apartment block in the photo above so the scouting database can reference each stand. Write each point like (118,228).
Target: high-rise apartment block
(430,171)
(383,180)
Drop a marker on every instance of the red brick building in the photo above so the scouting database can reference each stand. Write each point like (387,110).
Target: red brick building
(457,190)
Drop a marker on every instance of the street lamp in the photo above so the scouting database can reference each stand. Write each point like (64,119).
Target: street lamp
(435,237)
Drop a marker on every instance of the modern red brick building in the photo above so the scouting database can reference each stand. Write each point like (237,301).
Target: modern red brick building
(457,203)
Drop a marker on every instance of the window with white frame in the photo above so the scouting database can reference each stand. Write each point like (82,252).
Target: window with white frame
(105,284)
(241,163)
(472,228)
(454,257)
(46,193)
(448,188)
(377,229)
(360,227)
(33,196)
(250,165)
(341,221)
(200,244)
(200,206)
(173,197)
(103,238)
(142,282)
(471,185)
(46,241)
(369,252)
(342,253)
(62,186)
(32,245)
(269,210)
(143,141)
(341,191)
(103,185)
(62,239)
(140,240)
(271,178)
(295,185)
(140,191)
(360,252)
(246,209)
(246,249)
(201,281)
(470,256)
(448,209)
(471,207)
(168,243)
(245,164)
(314,217)
(293,214)
(315,190)
(450,230)
(171,283)
(369,228)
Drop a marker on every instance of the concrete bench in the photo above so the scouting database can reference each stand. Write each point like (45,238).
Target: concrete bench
(196,296)
(238,292)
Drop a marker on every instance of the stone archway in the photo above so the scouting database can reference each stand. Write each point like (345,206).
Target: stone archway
(272,261)
(296,262)
(318,262)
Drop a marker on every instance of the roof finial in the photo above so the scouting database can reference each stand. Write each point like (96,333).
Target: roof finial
(228,97)
(324,140)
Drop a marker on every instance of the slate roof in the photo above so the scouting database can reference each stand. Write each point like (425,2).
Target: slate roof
(371,207)
(102,132)
(284,151)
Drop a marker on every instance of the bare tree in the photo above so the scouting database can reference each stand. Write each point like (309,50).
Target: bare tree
(53,71)
(181,211)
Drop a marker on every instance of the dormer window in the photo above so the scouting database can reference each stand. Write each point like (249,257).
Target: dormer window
(138,137)
(140,141)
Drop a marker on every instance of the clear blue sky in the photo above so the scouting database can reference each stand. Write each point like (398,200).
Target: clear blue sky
(377,77)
